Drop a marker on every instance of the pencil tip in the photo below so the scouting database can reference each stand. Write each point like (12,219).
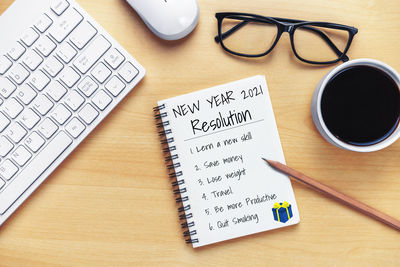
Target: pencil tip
(267,161)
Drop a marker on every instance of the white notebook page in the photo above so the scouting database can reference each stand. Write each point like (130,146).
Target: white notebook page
(221,135)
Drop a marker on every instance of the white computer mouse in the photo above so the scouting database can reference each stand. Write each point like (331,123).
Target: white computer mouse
(168,19)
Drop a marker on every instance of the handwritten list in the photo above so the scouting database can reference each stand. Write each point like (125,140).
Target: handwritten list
(220,135)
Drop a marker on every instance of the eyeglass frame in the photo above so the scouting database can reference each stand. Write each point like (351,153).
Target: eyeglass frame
(283,25)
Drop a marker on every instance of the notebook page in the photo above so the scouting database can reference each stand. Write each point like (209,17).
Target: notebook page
(221,135)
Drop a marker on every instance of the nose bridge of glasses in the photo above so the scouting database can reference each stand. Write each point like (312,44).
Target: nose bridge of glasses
(287,27)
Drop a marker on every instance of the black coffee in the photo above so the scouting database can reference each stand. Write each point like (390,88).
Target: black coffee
(361,105)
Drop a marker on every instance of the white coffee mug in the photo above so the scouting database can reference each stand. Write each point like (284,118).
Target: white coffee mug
(316,106)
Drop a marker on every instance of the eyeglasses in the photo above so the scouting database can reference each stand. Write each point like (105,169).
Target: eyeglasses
(251,35)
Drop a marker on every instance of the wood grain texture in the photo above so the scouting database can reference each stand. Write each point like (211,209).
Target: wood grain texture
(110,202)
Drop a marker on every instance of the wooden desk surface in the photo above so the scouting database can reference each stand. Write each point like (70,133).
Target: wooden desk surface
(110,202)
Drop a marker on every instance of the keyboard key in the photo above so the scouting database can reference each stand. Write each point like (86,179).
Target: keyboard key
(115,86)
(87,86)
(65,24)
(8,169)
(56,91)
(45,46)
(18,73)
(75,127)
(2,184)
(66,52)
(42,104)
(29,37)
(61,114)
(15,132)
(93,52)
(6,87)
(17,51)
(69,77)
(74,100)
(5,146)
(114,58)
(101,100)
(34,142)
(12,108)
(48,128)
(4,122)
(128,72)
(83,34)
(101,72)
(29,118)
(26,94)
(33,170)
(53,66)
(21,155)
(88,113)
(32,59)
(39,80)
(59,6)
(5,64)
(43,23)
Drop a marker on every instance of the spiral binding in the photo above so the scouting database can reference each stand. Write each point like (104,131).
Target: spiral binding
(170,160)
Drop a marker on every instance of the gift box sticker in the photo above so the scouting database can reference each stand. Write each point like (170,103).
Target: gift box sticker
(282,212)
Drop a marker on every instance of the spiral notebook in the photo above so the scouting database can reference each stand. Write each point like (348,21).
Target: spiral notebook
(214,141)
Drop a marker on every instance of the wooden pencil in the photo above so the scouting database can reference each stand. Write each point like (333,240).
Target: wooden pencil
(345,199)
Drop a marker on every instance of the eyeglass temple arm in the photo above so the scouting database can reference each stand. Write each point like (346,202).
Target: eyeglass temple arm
(229,32)
(323,35)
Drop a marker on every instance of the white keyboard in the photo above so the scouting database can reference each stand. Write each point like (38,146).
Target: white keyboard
(58,80)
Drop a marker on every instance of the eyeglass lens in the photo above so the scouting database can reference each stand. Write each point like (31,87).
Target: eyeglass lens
(253,38)
(313,43)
